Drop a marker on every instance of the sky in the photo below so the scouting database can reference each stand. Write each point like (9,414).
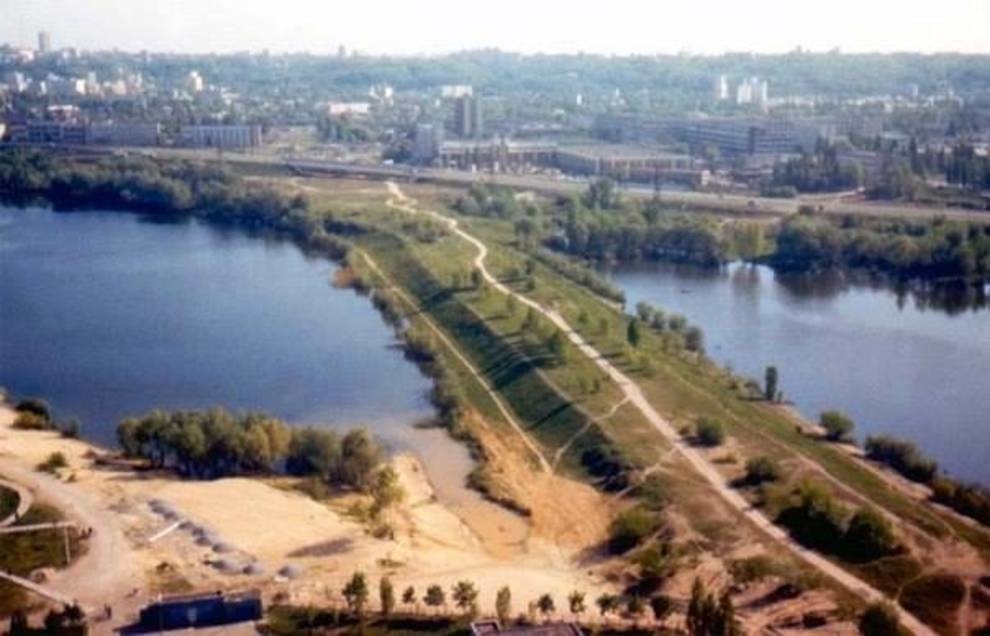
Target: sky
(528,26)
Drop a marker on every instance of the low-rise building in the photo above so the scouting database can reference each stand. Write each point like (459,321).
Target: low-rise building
(121,134)
(220,136)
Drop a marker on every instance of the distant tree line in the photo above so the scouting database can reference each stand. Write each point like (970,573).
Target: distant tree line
(216,443)
(817,171)
(936,248)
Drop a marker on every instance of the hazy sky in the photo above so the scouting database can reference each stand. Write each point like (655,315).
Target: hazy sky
(435,26)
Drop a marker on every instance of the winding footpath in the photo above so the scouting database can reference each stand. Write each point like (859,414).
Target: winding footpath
(24,501)
(635,396)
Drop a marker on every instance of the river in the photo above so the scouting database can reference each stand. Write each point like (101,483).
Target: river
(108,315)
(916,366)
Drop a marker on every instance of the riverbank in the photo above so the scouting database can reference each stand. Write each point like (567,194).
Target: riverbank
(319,542)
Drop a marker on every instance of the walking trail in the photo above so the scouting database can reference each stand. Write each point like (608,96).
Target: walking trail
(635,396)
(24,501)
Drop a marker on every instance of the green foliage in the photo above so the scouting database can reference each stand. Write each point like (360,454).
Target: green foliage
(435,596)
(770,380)
(34,406)
(607,603)
(409,596)
(708,616)
(465,596)
(53,463)
(632,333)
(902,456)
(355,593)
(972,500)
(546,605)
(386,595)
(503,605)
(879,619)
(662,607)
(575,602)
(837,426)
(27,421)
(580,274)
(217,443)
(709,432)
(761,469)
(815,519)
(629,529)
(819,171)
(869,536)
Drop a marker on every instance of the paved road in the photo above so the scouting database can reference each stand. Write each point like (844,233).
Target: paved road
(25,499)
(634,395)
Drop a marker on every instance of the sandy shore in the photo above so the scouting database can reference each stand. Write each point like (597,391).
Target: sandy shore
(262,522)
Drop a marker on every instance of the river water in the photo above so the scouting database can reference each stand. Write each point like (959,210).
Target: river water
(912,365)
(108,315)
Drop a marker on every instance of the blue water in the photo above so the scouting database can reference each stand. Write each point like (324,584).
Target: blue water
(108,315)
(895,364)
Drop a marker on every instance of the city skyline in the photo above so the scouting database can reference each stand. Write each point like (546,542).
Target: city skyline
(443,26)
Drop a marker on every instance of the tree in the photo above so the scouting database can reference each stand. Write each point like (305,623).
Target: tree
(356,594)
(503,605)
(770,384)
(558,349)
(546,606)
(879,619)
(632,333)
(606,604)
(385,490)
(465,595)
(635,606)
(476,278)
(435,597)
(837,426)
(409,596)
(694,339)
(386,594)
(661,606)
(576,602)
(629,529)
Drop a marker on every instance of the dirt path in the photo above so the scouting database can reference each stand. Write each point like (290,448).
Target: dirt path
(634,394)
(24,501)
(107,569)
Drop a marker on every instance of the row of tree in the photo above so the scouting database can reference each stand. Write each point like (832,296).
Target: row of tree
(217,443)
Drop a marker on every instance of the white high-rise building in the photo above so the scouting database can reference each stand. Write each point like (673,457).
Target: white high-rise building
(744,92)
(44,42)
(722,88)
(194,82)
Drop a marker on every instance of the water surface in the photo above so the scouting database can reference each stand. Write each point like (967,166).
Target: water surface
(109,314)
(914,366)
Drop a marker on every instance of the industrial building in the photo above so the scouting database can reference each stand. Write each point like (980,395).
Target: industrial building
(200,610)
(496,155)
(114,134)
(220,136)
(622,163)
(469,117)
(48,132)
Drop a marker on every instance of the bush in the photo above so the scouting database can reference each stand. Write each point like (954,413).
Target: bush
(709,432)
(837,426)
(53,463)
(879,619)
(869,536)
(29,421)
(760,470)
(815,519)
(629,529)
(37,406)
(971,500)
(902,456)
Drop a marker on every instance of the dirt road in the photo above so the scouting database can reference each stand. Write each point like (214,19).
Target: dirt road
(635,396)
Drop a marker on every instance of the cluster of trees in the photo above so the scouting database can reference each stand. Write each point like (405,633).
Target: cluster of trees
(691,336)
(818,171)
(817,520)
(495,202)
(217,443)
(34,414)
(837,426)
(145,185)
(935,248)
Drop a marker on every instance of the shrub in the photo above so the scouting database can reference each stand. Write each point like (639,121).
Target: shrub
(879,619)
(837,426)
(36,406)
(760,470)
(869,536)
(53,463)
(815,519)
(629,529)
(709,432)
(30,421)
(902,456)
